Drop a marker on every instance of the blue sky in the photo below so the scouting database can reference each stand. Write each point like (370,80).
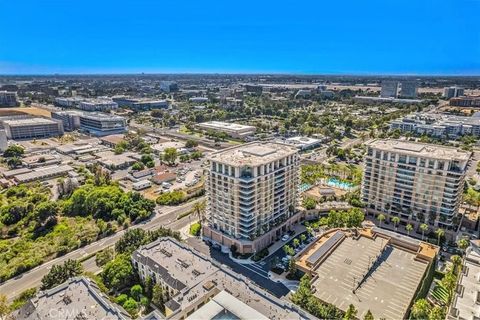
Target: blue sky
(312,37)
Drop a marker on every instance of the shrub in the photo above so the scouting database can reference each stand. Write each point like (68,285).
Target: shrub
(195,229)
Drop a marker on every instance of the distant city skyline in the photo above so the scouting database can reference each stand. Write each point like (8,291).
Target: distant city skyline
(343,37)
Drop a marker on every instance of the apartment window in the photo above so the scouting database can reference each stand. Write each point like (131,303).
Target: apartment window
(422,162)
(412,160)
(431,164)
(402,159)
(440,165)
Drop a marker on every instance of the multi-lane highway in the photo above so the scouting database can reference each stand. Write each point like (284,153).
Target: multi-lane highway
(167,217)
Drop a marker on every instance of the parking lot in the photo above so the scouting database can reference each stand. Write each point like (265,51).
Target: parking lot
(386,288)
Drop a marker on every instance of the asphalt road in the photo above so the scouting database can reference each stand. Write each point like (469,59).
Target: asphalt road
(32,278)
(253,272)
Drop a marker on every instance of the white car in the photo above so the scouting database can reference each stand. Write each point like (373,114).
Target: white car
(285,237)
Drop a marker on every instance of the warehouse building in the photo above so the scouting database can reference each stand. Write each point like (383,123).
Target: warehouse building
(42,174)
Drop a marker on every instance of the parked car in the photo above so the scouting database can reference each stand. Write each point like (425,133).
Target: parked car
(285,237)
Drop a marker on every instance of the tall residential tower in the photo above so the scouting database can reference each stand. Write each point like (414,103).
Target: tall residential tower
(252,194)
(414,181)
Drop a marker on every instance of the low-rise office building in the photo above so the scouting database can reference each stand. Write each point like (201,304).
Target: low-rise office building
(191,280)
(97,105)
(234,130)
(8,99)
(31,127)
(302,143)
(198,99)
(414,181)
(102,124)
(70,119)
(140,104)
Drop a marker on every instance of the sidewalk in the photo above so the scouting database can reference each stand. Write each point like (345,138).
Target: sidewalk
(298,228)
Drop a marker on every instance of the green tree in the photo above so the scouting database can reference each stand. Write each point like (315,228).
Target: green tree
(421,309)
(424,228)
(381,218)
(119,273)
(170,155)
(303,237)
(131,241)
(191,143)
(309,203)
(136,292)
(440,233)
(292,267)
(351,313)
(157,297)
(288,250)
(121,299)
(368,315)
(131,306)
(104,256)
(409,228)
(396,221)
(437,313)
(296,243)
(137,166)
(58,274)
(14,151)
(463,243)
(4,308)
(146,158)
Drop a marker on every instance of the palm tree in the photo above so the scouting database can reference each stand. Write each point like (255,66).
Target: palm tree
(199,210)
(395,221)
(380,218)
(409,228)
(456,262)
(424,228)
(440,233)
(463,244)
(303,237)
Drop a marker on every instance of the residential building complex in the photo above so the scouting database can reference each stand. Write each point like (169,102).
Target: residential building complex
(408,89)
(466,303)
(389,89)
(414,181)
(24,127)
(466,102)
(101,124)
(438,125)
(78,298)
(234,130)
(251,195)
(200,288)
(8,99)
(453,92)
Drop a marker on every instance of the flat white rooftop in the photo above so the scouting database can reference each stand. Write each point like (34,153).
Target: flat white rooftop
(420,149)
(254,153)
(226,126)
(29,122)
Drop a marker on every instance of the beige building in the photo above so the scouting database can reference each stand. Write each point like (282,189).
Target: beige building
(414,181)
(252,194)
(234,130)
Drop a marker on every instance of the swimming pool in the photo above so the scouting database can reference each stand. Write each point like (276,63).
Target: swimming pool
(304,187)
(333,182)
